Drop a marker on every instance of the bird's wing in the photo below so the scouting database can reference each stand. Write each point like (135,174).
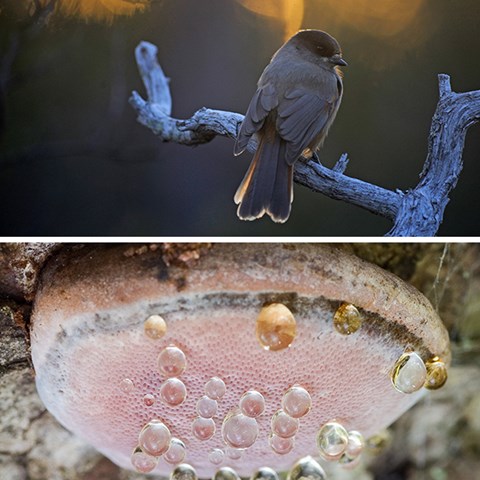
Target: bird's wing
(302,115)
(262,103)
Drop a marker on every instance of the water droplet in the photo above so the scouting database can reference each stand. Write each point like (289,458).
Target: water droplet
(216,456)
(206,407)
(296,402)
(176,452)
(173,392)
(155,327)
(409,373)
(284,425)
(347,319)
(203,428)
(226,473)
(142,462)
(172,361)
(184,472)
(280,445)
(148,399)
(332,440)
(154,438)
(276,327)
(239,431)
(252,404)
(355,444)
(234,453)
(307,468)
(126,385)
(436,374)
(215,388)
(264,473)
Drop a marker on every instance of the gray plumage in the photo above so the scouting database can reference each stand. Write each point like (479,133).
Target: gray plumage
(296,101)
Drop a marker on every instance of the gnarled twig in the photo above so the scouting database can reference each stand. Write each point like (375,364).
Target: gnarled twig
(417,212)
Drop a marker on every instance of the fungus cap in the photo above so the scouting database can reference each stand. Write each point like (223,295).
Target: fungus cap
(89,343)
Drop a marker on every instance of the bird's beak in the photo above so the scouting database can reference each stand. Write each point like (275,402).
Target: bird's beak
(338,60)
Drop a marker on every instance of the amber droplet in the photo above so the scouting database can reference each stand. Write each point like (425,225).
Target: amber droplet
(436,374)
(379,442)
(276,327)
(347,319)
(155,327)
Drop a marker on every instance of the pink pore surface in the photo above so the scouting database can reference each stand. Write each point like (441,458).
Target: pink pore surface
(348,378)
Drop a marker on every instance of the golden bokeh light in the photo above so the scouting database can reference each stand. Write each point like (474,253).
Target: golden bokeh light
(288,12)
(377,17)
(98,10)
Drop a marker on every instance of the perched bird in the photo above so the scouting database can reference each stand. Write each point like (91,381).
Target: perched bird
(296,101)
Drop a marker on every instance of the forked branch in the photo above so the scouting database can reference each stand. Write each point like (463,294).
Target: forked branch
(416,212)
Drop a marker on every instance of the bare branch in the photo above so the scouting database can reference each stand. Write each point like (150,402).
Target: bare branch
(417,212)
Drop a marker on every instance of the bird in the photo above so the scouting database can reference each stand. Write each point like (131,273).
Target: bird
(297,99)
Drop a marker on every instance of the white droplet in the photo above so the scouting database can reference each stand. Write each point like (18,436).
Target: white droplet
(206,407)
(154,438)
(176,452)
(296,402)
(284,425)
(173,392)
(215,388)
(172,362)
(239,431)
(252,404)
(409,373)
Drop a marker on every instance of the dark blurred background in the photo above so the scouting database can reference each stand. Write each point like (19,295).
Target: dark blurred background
(74,161)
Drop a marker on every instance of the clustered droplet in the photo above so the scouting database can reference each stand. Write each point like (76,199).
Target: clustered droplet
(173,392)
(276,327)
(238,430)
(215,388)
(216,456)
(172,361)
(347,319)
(252,404)
(203,428)
(176,452)
(207,407)
(409,373)
(296,403)
(334,442)
(154,441)
(148,399)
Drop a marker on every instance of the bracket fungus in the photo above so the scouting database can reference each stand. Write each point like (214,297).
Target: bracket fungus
(195,390)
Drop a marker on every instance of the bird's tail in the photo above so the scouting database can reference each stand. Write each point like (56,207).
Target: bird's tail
(267,186)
